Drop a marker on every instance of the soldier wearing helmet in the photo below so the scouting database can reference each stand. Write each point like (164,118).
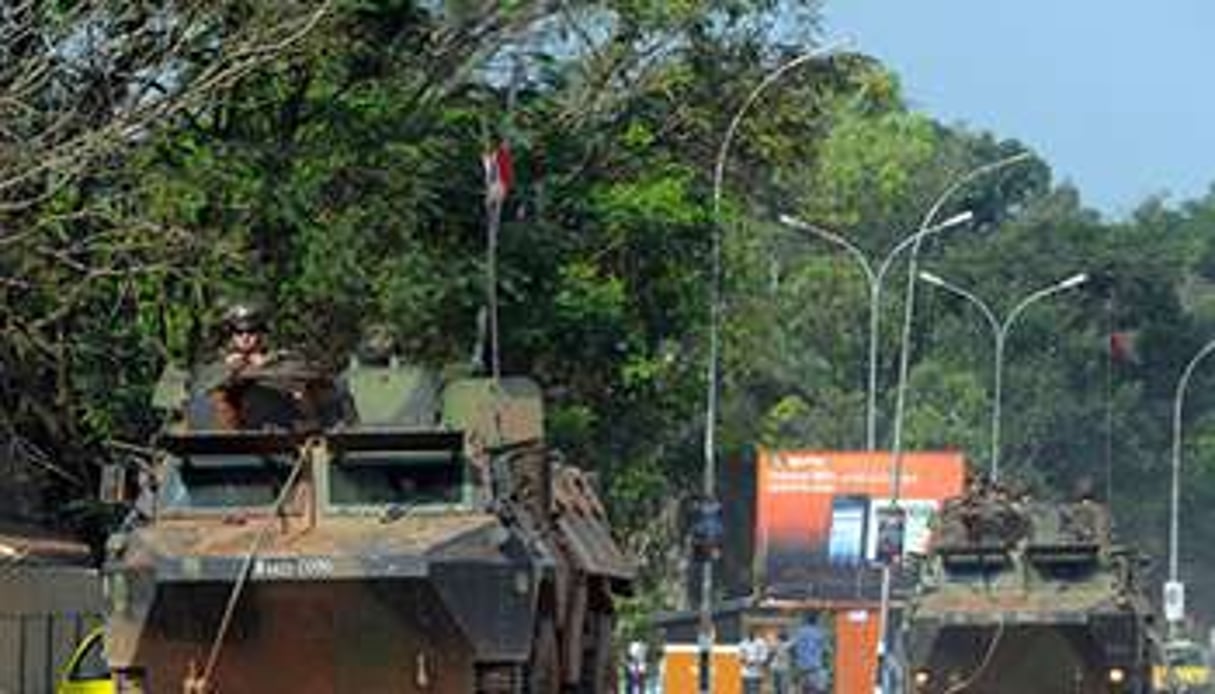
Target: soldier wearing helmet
(378,346)
(245,325)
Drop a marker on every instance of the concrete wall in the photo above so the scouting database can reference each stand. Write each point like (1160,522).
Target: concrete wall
(43,613)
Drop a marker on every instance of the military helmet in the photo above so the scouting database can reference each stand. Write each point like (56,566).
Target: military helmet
(245,317)
(378,344)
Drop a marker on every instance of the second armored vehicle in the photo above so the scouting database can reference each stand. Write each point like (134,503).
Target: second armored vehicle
(1020,596)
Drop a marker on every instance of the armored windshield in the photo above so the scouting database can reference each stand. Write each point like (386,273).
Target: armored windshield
(406,478)
(224,480)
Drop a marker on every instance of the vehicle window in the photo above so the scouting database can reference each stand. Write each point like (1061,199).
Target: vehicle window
(224,481)
(1185,656)
(988,570)
(1066,571)
(92,664)
(398,477)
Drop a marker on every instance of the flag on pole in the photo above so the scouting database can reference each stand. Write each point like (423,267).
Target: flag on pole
(1124,347)
(499,173)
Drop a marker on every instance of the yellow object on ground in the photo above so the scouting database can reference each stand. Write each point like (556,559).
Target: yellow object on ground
(87,671)
(1185,669)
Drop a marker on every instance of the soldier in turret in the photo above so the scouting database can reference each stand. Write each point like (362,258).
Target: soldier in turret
(245,327)
(1086,519)
(245,349)
(251,386)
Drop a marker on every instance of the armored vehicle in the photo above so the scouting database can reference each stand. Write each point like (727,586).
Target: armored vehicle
(1021,596)
(388,531)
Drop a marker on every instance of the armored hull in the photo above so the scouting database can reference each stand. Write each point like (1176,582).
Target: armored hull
(1027,597)
(435,556)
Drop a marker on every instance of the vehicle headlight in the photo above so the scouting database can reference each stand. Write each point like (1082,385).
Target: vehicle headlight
(1117,675)
(922,678)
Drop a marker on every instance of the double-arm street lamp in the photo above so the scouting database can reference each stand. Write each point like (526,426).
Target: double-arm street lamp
(873,277)
(1175,489)
(999,331)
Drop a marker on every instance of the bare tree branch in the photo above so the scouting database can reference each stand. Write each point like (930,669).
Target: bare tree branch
(48,133)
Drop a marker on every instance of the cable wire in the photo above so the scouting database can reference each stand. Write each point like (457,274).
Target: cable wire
(978,671)
(242,576)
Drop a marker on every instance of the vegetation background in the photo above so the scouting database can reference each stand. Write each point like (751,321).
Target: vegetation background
(155,160)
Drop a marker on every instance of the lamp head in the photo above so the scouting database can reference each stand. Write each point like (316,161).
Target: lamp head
(959,218)
(1074,281)
(931,278)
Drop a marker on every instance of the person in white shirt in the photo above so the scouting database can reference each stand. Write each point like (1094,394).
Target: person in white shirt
(753,653)
(635,671)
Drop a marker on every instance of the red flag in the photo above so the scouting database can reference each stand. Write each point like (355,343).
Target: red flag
(499,173)
(1123,348)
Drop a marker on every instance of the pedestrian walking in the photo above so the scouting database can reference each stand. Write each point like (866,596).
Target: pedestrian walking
(754,653)
(636,668)
(809,644)
(782,663)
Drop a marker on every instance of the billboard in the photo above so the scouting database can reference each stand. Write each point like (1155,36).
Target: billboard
(828,514)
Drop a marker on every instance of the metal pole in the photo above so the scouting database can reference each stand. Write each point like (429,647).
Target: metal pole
(706,636)
(904,361)
(875,310)
(1175,492)
(909,306)
(997,401)
(494,221)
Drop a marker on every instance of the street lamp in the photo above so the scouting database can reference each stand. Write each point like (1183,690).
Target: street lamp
(909,305)
(896,474)
(1000,333)
(705,636)
(874,279)
(1175,495)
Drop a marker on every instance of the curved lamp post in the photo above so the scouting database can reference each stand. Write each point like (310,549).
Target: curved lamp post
(705,630)
(909,304)
(873,277)
(896,474)
(1175,490)
(1000,334)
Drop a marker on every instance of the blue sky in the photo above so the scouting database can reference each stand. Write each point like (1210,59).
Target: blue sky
(1116,95)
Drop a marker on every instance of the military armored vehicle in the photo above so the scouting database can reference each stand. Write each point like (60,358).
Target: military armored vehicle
(1020,596)
(388,531)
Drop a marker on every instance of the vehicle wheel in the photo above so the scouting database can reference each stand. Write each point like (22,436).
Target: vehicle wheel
(544,669)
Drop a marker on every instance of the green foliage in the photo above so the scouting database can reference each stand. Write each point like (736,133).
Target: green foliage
(868,168)
(341,180)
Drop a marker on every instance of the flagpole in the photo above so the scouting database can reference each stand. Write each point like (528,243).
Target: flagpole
(493,211)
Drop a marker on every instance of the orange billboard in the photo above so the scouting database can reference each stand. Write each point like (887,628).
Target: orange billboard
(817,511)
